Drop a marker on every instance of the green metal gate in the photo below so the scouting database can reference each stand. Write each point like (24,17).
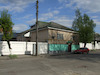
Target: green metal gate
(62,47)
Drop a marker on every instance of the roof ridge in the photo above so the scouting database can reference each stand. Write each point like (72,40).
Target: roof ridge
(61,25)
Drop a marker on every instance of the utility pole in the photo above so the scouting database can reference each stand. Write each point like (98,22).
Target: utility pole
(36,28)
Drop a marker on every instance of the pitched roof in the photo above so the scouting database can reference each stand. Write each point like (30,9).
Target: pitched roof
(51,24)
(46,25)
(56,25)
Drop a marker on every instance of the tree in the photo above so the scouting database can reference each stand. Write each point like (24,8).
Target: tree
(6,26)
(84,26)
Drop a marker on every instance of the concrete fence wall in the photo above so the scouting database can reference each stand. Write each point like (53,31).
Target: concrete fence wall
(21,48)
(91,46)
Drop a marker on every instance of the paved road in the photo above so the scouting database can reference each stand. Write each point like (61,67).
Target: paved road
(71,64)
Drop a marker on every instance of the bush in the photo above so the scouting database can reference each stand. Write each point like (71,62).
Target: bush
(93,50)
(12,56)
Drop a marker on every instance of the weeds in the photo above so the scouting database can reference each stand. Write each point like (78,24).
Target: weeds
(12,56)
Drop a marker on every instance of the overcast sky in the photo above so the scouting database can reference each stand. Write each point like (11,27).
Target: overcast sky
(59,11)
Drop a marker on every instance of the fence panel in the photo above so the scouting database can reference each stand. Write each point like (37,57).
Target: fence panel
(75,47)
(21,48)
(62,47)
(58,47)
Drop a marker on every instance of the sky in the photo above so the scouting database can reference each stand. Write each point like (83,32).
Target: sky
(60,11)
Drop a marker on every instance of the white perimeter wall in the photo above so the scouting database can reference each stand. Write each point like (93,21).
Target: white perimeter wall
(21,48)
(91,46)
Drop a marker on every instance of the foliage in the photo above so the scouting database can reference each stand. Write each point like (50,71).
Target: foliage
(85,26)
(12,56)
(6,26)
(93,50)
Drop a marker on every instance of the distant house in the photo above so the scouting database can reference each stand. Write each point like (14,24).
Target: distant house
(1,36)
(97,37)
(14,37)
(50,32)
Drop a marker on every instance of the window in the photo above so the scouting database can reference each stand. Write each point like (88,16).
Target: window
(53,37)
(60,36)
(73,37)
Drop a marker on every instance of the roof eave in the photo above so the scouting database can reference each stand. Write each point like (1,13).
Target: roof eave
(62,30)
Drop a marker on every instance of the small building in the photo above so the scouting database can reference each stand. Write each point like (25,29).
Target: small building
(14,37)
(97,37)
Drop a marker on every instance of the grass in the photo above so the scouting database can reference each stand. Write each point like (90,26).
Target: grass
(12,56)
(93,50)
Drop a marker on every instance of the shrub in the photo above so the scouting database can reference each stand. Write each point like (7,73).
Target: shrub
(93,50)
(12,56)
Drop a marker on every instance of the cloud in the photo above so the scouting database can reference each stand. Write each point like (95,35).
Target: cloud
(49,15)
(27,16)
(31,22)
(94,17)
(15,5)
(62,1)
(60,20)
(97,22)
(63,21)
(52,16)
(56,12)
(92,6)
(97,29)
(20,27)
(43,17)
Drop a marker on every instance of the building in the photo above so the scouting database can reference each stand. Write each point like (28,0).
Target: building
(97,37)
(50,32)
(14,37)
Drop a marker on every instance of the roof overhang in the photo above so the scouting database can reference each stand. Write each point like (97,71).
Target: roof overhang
(54,29)
(62,30)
